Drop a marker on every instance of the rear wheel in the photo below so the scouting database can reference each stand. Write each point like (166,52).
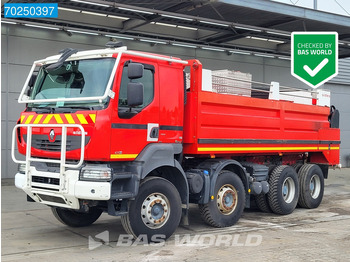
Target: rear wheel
(311,183)
(284,190)
(262,203)
(156,210)
(227,206)
(74,218)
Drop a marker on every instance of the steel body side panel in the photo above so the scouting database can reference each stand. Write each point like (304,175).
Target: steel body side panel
(222,124)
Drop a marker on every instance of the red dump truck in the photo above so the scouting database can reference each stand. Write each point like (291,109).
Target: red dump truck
(121,132)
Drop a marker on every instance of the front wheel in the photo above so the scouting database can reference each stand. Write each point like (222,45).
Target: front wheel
(74,218)
(228,203)
(156,211)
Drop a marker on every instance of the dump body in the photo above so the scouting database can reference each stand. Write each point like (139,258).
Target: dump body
(232,125)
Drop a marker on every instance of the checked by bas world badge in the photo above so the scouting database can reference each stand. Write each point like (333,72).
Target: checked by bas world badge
(314,57)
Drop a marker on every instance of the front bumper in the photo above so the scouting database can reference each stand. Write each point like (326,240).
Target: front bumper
(61,191)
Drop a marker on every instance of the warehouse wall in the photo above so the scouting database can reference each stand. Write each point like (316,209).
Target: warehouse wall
(22,45)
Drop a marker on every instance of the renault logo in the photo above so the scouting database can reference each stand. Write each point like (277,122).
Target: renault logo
(52,135)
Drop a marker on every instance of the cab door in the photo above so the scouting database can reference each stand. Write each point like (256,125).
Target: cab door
(135,124)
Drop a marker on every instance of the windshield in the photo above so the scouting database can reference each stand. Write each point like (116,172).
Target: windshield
(73,79)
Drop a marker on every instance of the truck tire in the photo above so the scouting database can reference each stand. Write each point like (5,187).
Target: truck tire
(263,203)
(74,218)
(284,190)
(311,182)
(297,166)
(156,210)
(228,203)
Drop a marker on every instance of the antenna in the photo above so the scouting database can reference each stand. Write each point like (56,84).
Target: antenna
(112,44)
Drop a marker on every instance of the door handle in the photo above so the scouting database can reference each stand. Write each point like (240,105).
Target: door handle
(154,132)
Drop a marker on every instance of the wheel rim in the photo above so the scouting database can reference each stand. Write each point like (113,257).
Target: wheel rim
(315,186)
(288,190)
(227,199)
(155,210)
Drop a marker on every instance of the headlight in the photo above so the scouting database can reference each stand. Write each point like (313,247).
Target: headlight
(21,168)
(100,173)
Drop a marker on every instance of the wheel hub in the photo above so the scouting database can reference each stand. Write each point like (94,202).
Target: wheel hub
(288,190)
(227,199)
(315,186)
(155,210)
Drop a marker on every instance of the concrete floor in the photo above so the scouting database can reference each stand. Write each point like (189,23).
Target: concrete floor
(31,233)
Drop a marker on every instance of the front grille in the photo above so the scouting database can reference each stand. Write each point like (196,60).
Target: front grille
(46,180)
(42,142)
(51,199)
(45,144)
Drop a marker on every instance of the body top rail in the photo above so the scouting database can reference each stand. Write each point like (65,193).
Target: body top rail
(273,88)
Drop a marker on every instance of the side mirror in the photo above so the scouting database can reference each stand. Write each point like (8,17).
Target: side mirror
(135,94)
(32,80)
(135,70)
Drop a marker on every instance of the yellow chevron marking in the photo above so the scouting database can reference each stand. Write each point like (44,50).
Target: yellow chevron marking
(69,119)
(37,119)
(58,119)
(124,156)
(47,119)
(82,119)
(93,117)
(22,118)
(29,119)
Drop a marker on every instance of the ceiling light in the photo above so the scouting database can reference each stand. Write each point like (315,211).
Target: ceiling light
(41,26)
(213,49)
(93,13)
(153,41)
(187,27)
(240,52)
(257,38)
(163,24)
(8,22)
(248,28)
(184,45)
(120,37)
(117,17)
(284,57)
(137,11)
(277,33)
(263,55)
(264,39)
(275,41)
(69,9)
(90,3)
(213,23)
(177,17)
(82,32)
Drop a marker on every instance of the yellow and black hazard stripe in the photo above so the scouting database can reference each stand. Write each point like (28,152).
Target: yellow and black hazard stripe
(82,119)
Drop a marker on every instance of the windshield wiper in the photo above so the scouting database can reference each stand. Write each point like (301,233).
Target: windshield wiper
(43,109)
(76,107)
